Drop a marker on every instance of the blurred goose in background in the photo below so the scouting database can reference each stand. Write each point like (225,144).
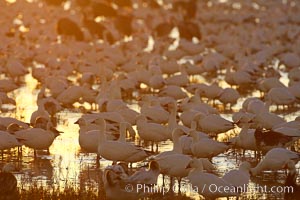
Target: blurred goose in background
(153,110)
(280,96)
(229,96)
(173,91)
(275,159)
(267,120)
(7,85)
(265,85)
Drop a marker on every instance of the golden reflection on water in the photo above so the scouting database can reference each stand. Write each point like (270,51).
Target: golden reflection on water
(67,165)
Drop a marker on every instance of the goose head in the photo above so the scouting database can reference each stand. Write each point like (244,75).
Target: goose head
(154,166)
(41,122)
(13,127)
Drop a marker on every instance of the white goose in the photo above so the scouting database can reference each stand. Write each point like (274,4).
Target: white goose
(267,120)
(117,150)
(177,132)
(8,140)
(213,124)
(151,131)
(115,188)
(201,180)
(281,96)
(37,138)
(275,159)
(174,165)
(153,110)
(239,177)
(148,176)
(206,147)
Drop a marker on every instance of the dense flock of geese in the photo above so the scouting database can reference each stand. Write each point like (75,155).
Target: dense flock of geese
(184,63)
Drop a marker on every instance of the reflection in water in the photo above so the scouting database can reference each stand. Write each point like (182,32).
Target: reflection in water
(68,165)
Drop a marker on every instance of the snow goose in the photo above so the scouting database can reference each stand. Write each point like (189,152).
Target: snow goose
(153,110)
(153,132)
(290,59)
(229,96)
(246,139)
(180,80)
(239,177)
(239,78)
(257,106)
(211,92)
(206,147)
(174,165)
(267,120)
(8,140)
(40,112)
(280,96)
(195,103)
(173,91)
(115,188)
(212,123)
(148,176)
(6,121)
(265,85)
(70,95)
(37,138)
(8,182)
(177,132)
(295,124)
(7,85)
(201,180)
(15,68)
(275,159)
(295,90)
(118,150)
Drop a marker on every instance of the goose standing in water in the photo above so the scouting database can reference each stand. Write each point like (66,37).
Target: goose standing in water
(37,138)
(203,181)
(118,150)
(275,159)
(206,147)
(239,177)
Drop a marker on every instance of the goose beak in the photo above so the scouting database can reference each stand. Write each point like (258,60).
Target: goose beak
(77,122)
